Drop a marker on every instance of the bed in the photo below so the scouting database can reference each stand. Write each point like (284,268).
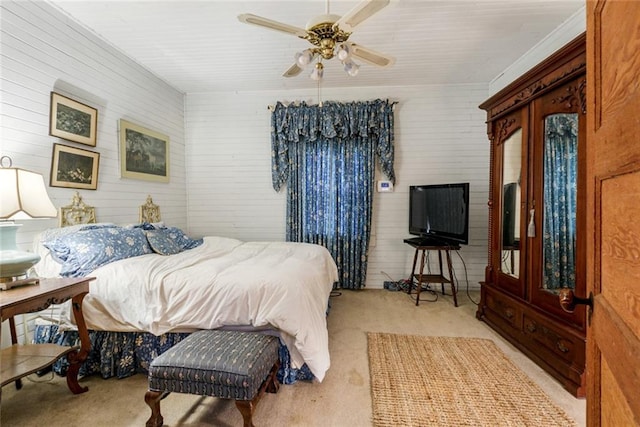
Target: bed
(149,295)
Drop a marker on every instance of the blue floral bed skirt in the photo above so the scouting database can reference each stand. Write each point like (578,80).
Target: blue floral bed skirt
(122,354)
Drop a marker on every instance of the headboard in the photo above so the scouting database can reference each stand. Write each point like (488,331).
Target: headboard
(149,212)
(80,213)
(77,212)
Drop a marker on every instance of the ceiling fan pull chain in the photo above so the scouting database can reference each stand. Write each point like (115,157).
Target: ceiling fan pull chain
(319,98)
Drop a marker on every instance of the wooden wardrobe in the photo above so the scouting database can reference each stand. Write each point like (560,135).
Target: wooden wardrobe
(536,128)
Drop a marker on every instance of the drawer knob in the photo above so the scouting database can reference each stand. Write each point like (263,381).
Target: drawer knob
(563,348)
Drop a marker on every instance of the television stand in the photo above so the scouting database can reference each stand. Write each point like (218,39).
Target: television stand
(424,245)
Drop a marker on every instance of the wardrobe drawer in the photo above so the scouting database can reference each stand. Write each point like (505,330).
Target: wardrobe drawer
(562,343)
(506,309)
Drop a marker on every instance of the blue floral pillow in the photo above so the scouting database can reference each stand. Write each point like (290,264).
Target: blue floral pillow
(82,252)
(162,243)
(56,233)
(147,225)
(171,240)
(181,238)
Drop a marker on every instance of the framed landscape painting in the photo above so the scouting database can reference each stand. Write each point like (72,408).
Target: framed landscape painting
(72,120)
(74,168)
(144,153)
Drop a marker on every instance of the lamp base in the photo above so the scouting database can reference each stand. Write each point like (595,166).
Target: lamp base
(14,263)
(6,283)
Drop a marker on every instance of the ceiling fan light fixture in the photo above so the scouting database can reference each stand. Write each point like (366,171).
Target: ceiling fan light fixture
(351,68)
(318,71)
(343,52)
(304,58)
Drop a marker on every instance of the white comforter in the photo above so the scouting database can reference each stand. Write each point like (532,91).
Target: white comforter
(223,282)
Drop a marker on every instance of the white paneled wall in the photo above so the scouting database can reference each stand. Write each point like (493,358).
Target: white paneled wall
(440,137)
(42,51)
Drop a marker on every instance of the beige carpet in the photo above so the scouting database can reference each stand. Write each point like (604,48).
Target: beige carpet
(442,381)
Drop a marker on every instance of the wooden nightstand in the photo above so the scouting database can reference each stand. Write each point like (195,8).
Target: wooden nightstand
(21,360)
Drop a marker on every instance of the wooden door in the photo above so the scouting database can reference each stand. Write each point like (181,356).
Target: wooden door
(613,196)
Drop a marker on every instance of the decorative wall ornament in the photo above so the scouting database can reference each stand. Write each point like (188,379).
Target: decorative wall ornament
(77,212)
(149,212)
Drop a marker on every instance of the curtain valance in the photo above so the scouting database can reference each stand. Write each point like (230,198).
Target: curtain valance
(370,121)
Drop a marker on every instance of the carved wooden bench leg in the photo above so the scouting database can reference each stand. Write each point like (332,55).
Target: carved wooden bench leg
(246,409)
(153,398)
(270,385)
(272,380)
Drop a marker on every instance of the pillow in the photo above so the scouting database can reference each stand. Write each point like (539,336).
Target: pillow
(184,241)
(82,252)
(171,240)
(49,266)
(54,233)
(162,243)
(146,225)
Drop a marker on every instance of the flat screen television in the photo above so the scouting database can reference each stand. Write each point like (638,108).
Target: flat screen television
(440,213)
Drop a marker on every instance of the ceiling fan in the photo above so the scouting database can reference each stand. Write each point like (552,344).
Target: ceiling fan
(329,35)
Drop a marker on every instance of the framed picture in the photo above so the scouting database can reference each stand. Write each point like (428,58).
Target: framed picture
(72,120)
(144,154)
(74,168)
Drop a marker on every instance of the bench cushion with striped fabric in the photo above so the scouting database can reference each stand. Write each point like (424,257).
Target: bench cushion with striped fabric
(225,364)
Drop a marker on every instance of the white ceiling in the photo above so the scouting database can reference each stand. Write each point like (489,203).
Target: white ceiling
(200,46)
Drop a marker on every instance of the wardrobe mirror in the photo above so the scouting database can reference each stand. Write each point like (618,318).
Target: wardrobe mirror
(510,204)
(560,158)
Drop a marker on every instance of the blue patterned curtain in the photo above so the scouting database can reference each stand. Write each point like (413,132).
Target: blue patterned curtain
(560,193)
(326,157)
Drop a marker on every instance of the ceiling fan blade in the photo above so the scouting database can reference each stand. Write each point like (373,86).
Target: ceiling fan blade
(293,71)
(358,14)
(249,18)
(371,56)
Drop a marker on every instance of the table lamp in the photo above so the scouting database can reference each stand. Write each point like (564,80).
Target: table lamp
(23,195)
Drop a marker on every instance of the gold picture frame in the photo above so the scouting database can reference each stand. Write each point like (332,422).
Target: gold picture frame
(144,153)
(72,120)
(74,168)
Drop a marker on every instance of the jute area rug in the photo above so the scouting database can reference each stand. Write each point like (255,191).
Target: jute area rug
(440,381)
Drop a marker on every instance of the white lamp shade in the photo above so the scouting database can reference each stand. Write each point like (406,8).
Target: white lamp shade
(23,195)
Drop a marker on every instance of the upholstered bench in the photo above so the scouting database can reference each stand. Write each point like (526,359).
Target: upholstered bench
(225,364)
